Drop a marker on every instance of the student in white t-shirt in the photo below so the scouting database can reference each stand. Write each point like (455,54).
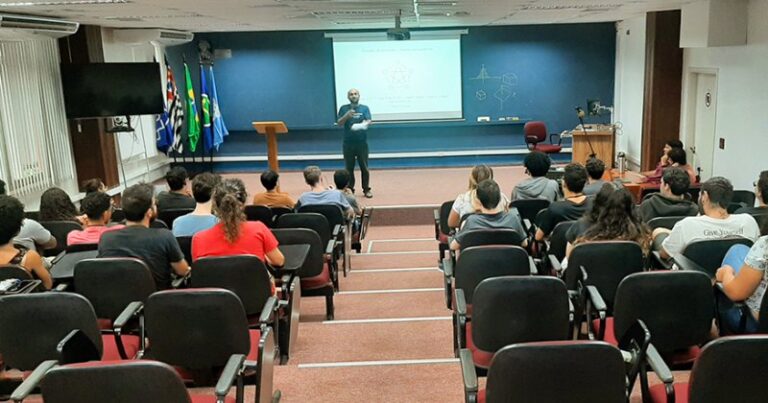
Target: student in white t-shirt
(715,223)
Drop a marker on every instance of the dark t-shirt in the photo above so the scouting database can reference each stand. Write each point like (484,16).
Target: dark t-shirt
(562,211)
(577,229)
(170,200)
(660,206)
(156,247)
(361,114)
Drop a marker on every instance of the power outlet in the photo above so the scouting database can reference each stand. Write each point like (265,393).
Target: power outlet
(722,143)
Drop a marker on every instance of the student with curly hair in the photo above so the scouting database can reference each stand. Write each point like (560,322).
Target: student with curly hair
(55,205)
(11,217)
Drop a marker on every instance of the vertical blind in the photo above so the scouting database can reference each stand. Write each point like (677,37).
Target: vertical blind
(35,149)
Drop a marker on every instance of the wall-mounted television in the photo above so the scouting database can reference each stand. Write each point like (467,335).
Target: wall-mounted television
(111,89)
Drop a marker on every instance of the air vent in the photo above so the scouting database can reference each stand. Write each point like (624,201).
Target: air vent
(35,25)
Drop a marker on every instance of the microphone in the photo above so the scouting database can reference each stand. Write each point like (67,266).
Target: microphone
(580,114)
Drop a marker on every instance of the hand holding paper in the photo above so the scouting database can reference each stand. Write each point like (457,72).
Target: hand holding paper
(360,126)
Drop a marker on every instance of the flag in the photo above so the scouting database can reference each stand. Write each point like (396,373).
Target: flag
(219,128)
(164,136)
(205,104)
(193,127)
(175,110)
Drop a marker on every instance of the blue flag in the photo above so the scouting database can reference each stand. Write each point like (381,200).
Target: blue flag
(205,102)
(164,132)
(219,128)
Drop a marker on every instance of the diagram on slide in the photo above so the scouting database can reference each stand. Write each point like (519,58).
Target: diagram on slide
(397,74)
(507,82)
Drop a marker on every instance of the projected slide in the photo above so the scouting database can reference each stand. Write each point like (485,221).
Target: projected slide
(401,80)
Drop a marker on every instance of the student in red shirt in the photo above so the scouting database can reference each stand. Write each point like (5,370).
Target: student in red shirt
(234,235)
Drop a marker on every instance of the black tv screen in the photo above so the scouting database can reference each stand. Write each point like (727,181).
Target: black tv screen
(111,89)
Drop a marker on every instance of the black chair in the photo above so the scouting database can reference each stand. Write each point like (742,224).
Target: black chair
(315,275)
(185,244)
(361,229)
(592,372)
(745,197)
(82,247)
(113,284)
(528,209)
(33,325)
(762,322)
(159,224)
(508,310)
(761,222)
(32,215)
(336,219)
(318,223)
(663,222)
(704,255)
(118,216)
(170,215)
(137,381)
(557,244)
(278,211)
(481,237)
(60,230)
(676,306)
(719,374)
(12,271)
(198,331)
(442,230)
(693,193)
(260,213)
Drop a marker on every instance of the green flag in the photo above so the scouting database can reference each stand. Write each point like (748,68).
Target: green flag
(193,125)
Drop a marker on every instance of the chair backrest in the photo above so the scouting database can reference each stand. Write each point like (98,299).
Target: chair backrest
(332,213)
(82,247)
(478,263)
(260,213)
(606,264)
(676,306)
(528,208)
(158,223)
(761,218)
(32,215)
(169,215)
(244,275)
(445,211)
(32,325)
(731,369)
(59,230)
(8,271)
(136,381)
(744,196)
(313,264)
(693,193)
(196,329)
(481,237)
(590,372)
(535,132)
(314,221)
(515,309)
(110,284)
(185,244)
(118,215)
(664,222)
(557,240)
(278,211)
(709,253)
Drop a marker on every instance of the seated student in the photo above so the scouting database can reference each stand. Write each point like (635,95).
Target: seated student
(599,202)
(574,204)
(55,205)
(676,158)
(616,220)
(272,198)
(716,223)
(491,216)
(93,185)
(32,235)
(670,201)
(178,197)
(538,186)
(157,247)
(11,217)
(319,194)
(234,235)
(467,202)
(761,197)
(98,211)
(655,175)
(595,182)
(201,218)
(341,180)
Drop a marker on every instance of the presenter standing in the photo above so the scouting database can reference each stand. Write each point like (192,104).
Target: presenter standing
(356,118)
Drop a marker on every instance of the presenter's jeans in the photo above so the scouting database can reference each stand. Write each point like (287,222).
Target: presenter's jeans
(357,151)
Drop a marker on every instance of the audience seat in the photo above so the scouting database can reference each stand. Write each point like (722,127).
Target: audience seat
(536,133)
(528,208)
(442,230)
(663,222)
(12,271)
(260,213)
(185,244)
(59,230)
(170,215)
(704,255)
(336,219)
(329,238)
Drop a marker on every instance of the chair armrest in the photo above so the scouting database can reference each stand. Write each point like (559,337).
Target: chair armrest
(532,266)
(58,257)
(684,263)
(181,280)
(269,308)
(337,229)
(30,383)
(660,368)
(448,267)
(330,246)
(663,262)
(468,373)
(559,139)
(129,312)
(461,303)
(61,287)
(596,302)
(556,266)
(436,214)
(527,224)
(231,372)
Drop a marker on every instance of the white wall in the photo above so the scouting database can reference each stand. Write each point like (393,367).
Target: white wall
(742,106)
(630,78)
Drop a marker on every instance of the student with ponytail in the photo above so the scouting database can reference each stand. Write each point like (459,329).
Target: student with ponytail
(234,235)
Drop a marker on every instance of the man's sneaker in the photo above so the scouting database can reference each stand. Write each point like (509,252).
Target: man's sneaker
(368,193)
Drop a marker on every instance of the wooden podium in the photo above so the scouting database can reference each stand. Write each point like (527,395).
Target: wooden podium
(602,139)
(271,130)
